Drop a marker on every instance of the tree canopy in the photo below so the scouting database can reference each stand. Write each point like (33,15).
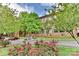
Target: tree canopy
(30,22)
(67,17)
(8,20)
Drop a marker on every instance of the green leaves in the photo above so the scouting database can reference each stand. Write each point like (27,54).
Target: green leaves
(8,22)
(30,22)
(68,18)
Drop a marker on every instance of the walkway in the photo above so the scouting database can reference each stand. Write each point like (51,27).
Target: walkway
(60,43)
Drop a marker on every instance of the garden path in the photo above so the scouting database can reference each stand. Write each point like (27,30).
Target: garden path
(69,43)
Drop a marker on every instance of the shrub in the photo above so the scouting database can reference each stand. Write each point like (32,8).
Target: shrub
(40,48)
(18,50)
(4,43)
(47,48)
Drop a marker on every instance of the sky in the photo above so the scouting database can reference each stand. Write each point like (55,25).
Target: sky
(38,8)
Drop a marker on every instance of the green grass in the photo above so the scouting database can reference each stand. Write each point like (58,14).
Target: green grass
(66,51)
(52,38)
(4,51)
(55,38)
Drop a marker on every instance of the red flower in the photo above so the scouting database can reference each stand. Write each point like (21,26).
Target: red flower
(17,49)
(20,49)
(34,51)
(46,43)
(11,49)
(29,46)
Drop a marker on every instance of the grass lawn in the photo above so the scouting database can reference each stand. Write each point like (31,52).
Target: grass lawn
(4,51)
(66,51)
(55,38)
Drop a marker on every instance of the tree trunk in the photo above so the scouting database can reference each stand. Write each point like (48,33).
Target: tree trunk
(16,34)
(72,35)
(75,31)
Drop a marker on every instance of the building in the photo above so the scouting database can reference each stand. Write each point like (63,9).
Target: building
(51,19)
(46,17)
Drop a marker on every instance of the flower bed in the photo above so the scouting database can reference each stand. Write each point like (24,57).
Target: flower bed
(39,48)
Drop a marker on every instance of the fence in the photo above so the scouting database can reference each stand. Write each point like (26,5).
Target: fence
(51,35)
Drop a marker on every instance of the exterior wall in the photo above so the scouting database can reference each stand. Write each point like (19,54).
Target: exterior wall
(43,20)
(46,18)
(51,30)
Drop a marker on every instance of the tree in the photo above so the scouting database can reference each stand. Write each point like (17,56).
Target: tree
(30,22)
(8,20)
(67,18)
(49,23)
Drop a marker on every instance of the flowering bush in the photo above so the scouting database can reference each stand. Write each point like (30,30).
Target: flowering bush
(18,50)
(39,48)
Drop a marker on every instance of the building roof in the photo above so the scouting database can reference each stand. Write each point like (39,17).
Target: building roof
(45,16)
